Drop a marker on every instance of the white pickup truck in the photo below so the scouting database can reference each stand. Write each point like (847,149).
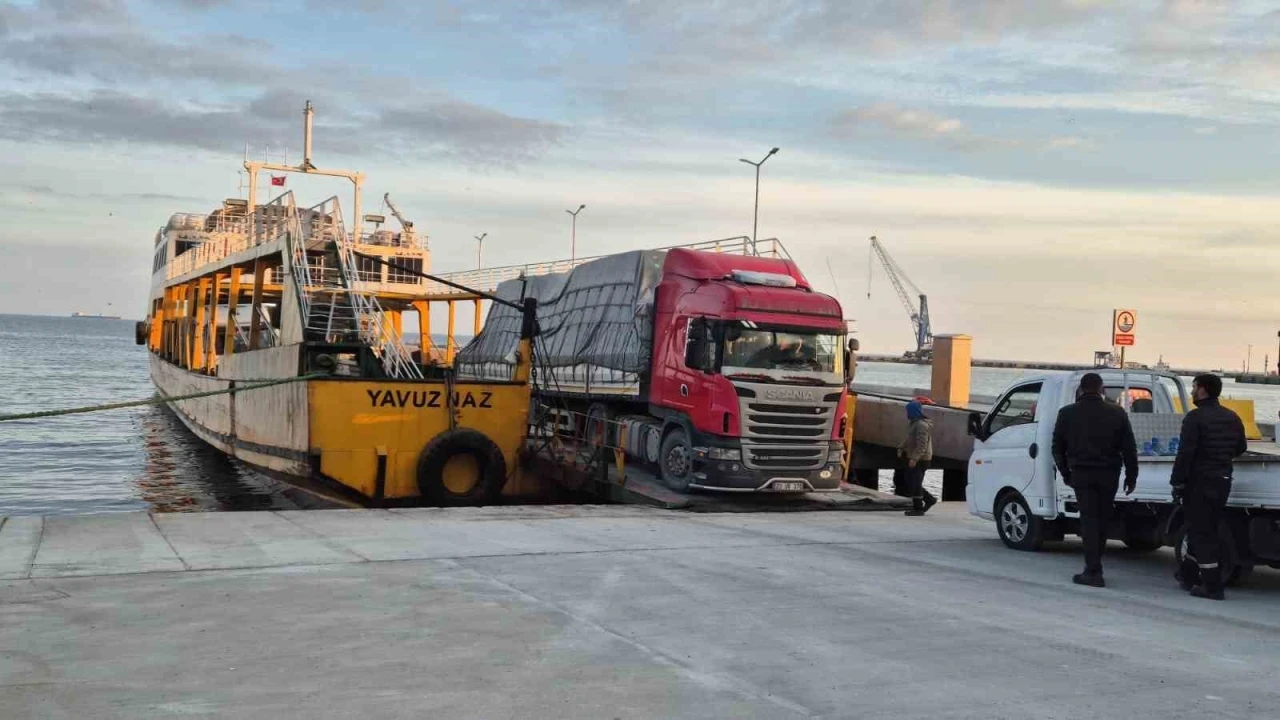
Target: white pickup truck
(1012,478)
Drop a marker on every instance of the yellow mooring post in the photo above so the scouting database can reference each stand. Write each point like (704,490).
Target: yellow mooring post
(952,365)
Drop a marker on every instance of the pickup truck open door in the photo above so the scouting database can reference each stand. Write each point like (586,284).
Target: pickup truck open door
(1006,446)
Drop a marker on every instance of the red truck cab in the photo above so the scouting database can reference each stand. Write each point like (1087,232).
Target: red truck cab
(747,375)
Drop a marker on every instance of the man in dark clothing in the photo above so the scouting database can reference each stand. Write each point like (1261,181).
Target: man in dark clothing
(1092,440)
(1212,436)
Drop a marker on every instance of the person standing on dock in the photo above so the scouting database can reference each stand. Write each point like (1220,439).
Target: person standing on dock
(917,449)
(1212,437)
(1092,441)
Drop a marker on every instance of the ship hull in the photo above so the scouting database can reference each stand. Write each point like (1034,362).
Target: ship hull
(345,440)
(265,428)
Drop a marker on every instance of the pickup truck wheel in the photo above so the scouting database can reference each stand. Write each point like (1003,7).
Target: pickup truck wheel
(1232,571)
(676,460)
(1018,527)
(1142,537)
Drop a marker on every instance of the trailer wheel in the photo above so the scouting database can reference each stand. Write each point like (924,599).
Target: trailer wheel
(1233,572)
(461,467)
(676,460)
(1018,527)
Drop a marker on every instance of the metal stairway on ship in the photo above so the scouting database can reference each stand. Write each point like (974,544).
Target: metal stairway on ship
(334,307)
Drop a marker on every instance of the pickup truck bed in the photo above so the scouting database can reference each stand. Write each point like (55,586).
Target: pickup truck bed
(1256,483)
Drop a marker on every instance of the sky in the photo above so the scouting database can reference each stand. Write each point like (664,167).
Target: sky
(1030,164)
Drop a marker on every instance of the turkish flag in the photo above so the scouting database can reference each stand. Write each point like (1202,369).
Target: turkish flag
(278,181)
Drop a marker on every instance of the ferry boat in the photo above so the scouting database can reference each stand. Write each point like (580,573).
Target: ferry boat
(300,314)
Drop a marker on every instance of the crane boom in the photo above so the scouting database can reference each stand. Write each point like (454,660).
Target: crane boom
(406,224)
(919,314)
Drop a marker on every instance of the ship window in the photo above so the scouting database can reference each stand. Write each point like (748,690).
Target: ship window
(396,275)
(368,269)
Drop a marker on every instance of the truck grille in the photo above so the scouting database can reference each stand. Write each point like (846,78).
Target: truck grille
(790,434)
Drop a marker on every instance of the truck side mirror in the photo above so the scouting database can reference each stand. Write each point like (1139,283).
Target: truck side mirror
(975,425)
(697,348)
(850,359)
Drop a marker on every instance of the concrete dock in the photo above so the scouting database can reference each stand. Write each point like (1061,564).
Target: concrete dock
(606,612)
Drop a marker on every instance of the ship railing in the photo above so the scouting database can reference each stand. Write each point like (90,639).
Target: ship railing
(487,279)
(362,311)
(267,335)
(376,327)
(226,235)
(388,238)
(300,268)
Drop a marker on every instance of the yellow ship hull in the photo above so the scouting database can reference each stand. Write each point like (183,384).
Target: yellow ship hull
(364,437)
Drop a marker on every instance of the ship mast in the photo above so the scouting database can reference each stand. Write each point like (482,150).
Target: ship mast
(307,168)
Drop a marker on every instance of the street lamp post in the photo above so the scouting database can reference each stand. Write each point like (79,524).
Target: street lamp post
(755,215)
(1278,354)
(479,247)
(1248,363)
(573,236)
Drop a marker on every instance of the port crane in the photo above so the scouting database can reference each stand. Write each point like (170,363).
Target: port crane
(919,315)
(407,225)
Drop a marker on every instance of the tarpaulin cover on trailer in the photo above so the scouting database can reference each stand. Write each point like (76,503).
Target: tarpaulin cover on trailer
(595,323)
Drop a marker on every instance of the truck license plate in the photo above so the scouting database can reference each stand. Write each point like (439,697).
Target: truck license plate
(788,486)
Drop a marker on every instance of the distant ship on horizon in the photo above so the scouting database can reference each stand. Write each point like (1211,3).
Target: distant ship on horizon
(98,316)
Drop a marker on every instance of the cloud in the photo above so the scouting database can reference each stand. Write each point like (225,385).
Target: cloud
(52,192)
(107,116)
(471,133)
(201,4)
(946,131)
(129,53)
(903,121)
(93,11)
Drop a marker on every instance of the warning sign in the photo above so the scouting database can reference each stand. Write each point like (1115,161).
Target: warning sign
(1124,324)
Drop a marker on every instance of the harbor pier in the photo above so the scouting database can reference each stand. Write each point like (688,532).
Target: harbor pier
(605,612)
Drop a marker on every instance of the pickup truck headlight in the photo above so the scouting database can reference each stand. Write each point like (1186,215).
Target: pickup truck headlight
(719,453)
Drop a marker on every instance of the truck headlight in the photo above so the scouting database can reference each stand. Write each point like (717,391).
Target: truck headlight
(835,452)
(719,453)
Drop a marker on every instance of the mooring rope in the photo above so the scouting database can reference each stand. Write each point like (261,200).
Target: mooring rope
(158,400)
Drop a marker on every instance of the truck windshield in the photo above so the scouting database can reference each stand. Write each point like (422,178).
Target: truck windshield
(789,350)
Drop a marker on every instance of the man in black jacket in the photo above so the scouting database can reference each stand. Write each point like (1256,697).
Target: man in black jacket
(1092,440)
(1212,436)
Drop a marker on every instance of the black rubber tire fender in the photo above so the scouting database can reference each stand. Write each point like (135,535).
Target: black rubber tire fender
(448,445)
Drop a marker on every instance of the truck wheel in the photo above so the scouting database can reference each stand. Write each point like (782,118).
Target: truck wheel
(1018,528)
(1142,537)
(1232,571)
(676,460)
(461,467)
